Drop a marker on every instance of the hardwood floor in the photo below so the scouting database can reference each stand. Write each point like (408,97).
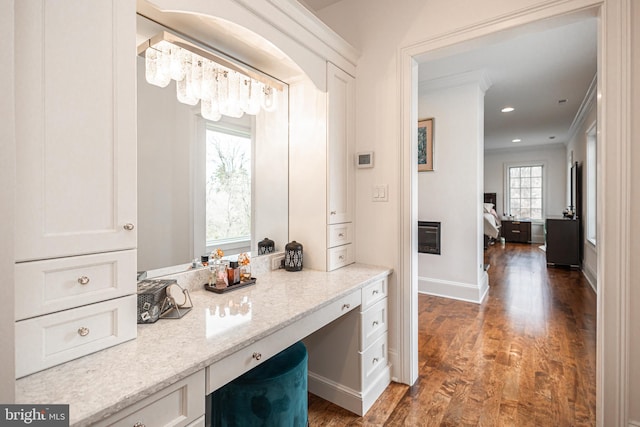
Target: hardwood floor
(524,357)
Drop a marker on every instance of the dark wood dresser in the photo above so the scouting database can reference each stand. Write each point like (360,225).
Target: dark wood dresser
(516,231)
(563,241)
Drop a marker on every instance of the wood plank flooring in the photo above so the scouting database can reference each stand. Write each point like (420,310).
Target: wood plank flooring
(524,357)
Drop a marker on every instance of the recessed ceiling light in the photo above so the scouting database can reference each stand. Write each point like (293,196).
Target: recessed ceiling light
(517,140)
(507,109)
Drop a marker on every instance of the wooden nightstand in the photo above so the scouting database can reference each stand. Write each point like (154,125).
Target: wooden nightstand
(516,231)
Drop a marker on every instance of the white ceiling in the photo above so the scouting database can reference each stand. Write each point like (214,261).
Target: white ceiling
(530,72)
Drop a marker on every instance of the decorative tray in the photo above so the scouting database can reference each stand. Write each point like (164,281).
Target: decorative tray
(230,288)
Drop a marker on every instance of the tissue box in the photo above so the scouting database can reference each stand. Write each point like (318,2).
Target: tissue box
(151,295)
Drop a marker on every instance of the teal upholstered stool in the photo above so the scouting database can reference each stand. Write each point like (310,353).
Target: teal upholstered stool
(272,394)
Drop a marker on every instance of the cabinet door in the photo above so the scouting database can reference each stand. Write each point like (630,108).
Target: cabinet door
(341,140)
(75,127)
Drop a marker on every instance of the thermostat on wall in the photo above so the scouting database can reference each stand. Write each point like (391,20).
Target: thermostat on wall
(364,159)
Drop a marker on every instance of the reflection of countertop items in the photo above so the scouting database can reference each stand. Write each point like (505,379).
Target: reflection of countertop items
(167,351)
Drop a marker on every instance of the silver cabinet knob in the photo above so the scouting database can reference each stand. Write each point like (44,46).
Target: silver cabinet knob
(257,356)
(83,332)
(341,257)
(84,280)
(128,226)
(375,291)
(139,424)
(375,360)
(346,306)
(333,213)
(375,323)
(341,235)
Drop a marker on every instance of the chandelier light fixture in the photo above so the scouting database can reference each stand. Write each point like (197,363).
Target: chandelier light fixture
(222,86)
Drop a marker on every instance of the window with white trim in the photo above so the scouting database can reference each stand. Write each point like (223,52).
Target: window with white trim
(228,186)
(525,191)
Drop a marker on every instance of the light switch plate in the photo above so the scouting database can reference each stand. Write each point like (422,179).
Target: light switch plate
(380,193)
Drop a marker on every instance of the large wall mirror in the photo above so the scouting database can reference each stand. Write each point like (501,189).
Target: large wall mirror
(206,184)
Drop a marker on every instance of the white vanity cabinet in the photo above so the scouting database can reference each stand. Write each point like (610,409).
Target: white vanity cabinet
(322,170)
(76,167)
(348,362)
(182,404)
(340,167)
(76,136)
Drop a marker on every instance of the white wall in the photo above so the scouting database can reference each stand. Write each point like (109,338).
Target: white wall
(451,195)
(7,196)
(578,145)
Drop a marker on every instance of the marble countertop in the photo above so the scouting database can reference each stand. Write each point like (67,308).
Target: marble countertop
(102,383)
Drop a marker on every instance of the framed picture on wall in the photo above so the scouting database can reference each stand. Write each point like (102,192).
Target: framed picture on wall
(425,145)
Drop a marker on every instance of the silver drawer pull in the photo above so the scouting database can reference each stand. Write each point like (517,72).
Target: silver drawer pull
(341,235)
(83,332)
(84,280)
(341,257)
(257,356)
(346,306)
(375,360)
(515,231)
(375,291)
(139,424)
(375,323)
(333,212)
(128,226)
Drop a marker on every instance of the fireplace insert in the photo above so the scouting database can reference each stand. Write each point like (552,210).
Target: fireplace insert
(429,237)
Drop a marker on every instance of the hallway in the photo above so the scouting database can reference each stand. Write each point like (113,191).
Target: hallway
(525,357)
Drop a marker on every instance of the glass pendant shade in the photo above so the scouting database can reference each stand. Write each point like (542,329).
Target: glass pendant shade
(209,110)
(243,94)
(255,98)
(196,76)
(183,92)
(155,73)
(178,67)
(270,100)
(209,86)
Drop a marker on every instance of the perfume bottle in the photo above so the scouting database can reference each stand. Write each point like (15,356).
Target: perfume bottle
(233,273)
(220,274)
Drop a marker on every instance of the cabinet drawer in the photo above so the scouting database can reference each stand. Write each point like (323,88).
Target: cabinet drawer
(180,404)
(56,338)
(339,234)
(373,293)
(58,284)
(374,323)
(374,360)
(245,359)
(339,257)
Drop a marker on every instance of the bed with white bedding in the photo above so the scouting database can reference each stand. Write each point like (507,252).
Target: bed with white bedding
(492,222)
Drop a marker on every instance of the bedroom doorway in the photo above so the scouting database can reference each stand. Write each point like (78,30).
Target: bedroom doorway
(615,318)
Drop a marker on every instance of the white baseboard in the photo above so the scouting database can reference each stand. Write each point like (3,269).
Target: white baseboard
(347,398)
(591,278)
(455,290)
(394,363)
(634,423)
